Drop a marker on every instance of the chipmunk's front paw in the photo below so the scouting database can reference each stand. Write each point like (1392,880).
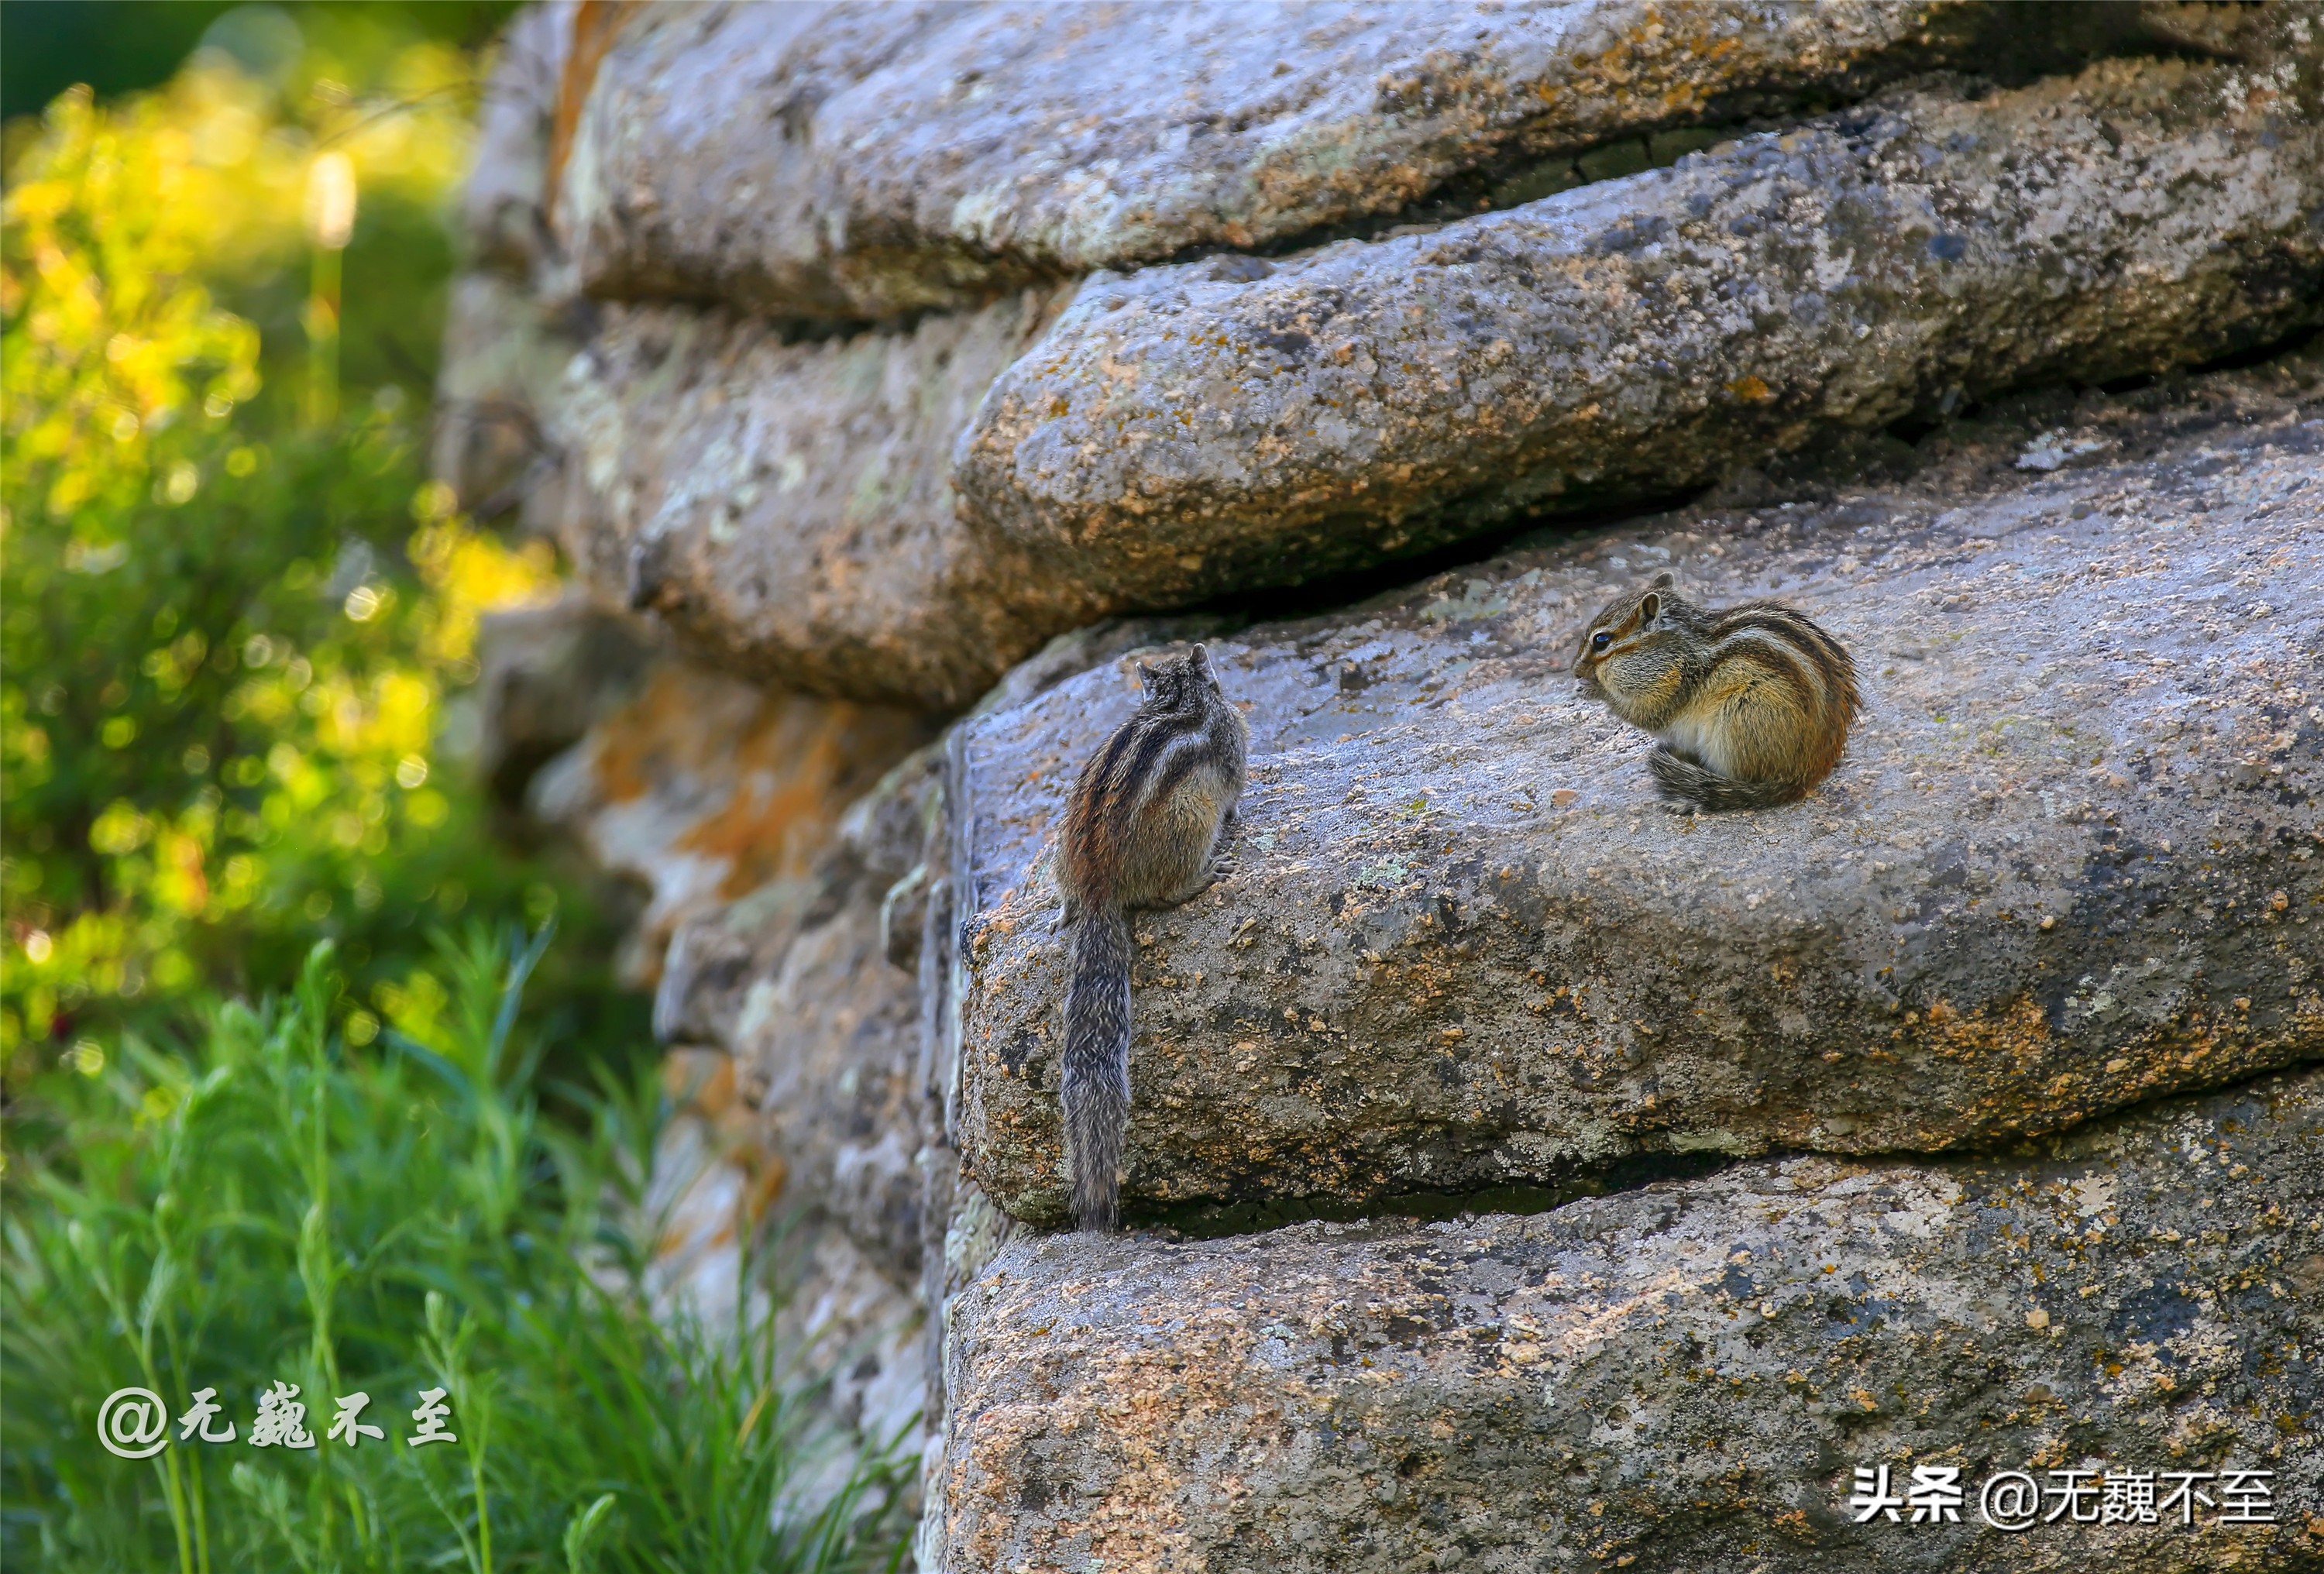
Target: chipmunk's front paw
(1223,865)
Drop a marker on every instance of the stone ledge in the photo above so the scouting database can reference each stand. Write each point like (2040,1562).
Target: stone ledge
(2072,859)
(1186,431)
(1679,1378)
(860,161)
(786,508)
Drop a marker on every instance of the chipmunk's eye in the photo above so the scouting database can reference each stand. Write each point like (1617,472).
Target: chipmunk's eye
(1599,641)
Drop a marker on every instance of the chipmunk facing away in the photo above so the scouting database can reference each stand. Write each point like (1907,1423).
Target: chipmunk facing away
(1147,827)
(1752,705)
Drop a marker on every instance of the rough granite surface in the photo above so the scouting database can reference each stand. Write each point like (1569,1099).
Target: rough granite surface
(501,214)
(863,161)
(795,982)
(898,514)
(2073,858)
(547,675)
(505,356)
(707,790)
(787,507)
(829,1043)
(505,343)
(1235,421)
(1679,1378)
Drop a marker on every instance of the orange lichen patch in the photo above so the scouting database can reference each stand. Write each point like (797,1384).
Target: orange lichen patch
(768,1174)
(702,1083)
(772,773)
(804,762)
(2011,1044)
(596,24)
(680,723)
(699,1080)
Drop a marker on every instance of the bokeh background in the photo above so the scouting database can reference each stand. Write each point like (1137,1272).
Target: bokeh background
(239,618)
(298,1084)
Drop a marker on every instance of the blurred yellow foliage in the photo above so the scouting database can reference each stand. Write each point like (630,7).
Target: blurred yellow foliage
(225,693)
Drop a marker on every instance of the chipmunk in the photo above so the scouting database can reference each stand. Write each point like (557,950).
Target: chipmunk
(1147,827)
(1752,705)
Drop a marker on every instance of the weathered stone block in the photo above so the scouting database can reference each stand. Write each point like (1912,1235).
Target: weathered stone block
(787,507)
(814,993)
(2073,858)
(504,357)
(1239,421)
(861,161)
(829,1040)
(793,510)
(812,1100)
(502,207)
(849,1342)
(1682,1378)
(706,790)
(548,674)
(506,336)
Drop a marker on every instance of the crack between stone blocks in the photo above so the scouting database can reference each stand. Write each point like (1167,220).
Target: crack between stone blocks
(1213,1221)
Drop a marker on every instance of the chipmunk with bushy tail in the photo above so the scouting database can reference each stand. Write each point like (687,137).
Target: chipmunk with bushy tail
(1147,827)
(1751,705)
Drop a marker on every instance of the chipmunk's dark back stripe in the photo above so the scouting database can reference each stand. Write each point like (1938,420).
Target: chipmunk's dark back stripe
(1739,629)
(1181,764)
(1786,666)
(1145,774)
(1781,622)
(1105,768)
(1129,755)
(1788,621)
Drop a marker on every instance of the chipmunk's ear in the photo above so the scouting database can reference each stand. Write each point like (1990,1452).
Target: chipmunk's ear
(1146,676)
(1664,581)
(1650,606)
(1200,662)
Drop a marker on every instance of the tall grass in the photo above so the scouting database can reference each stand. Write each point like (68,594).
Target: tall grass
(265,1204)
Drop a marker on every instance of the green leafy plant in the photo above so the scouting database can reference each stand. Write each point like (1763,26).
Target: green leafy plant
(230,633)
(265,1204)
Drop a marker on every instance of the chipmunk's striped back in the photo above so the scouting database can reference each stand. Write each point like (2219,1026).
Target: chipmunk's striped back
(1146,826)
(1752,705)
(1169,763)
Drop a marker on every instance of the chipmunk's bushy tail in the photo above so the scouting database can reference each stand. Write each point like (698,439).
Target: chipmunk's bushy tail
(1097,1063)
(1682,779)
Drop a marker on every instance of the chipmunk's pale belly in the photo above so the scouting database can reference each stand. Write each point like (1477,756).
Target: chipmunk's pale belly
(1691,733)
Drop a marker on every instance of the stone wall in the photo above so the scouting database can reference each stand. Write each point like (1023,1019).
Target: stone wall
(1520,1175)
